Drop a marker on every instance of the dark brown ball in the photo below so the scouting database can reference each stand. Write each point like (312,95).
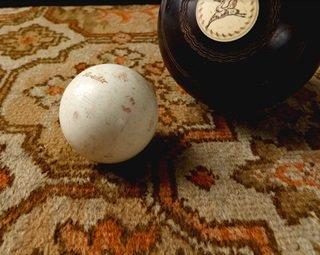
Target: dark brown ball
(240,55)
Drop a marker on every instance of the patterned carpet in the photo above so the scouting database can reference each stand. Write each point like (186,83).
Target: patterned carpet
(205,185)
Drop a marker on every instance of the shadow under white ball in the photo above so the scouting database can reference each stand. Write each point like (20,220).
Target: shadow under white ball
(108,113)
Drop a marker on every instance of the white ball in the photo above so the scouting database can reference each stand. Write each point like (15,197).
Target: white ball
(108,113)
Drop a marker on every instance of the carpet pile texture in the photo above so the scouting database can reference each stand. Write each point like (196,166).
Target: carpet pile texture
(205,184)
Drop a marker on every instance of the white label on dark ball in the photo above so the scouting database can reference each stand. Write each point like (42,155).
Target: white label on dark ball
(226,20)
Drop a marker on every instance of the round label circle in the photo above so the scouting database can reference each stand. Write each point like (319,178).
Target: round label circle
(226,20)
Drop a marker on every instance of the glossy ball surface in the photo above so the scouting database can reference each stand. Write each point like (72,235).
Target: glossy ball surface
(240,55)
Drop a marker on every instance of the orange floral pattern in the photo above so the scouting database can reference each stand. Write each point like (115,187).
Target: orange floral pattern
(105,20)
(28,41)
(5,177)
(205,184)
(107,236)
(297,174)
(202,177)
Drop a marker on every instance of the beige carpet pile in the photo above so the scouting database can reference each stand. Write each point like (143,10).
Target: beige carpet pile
(205,185)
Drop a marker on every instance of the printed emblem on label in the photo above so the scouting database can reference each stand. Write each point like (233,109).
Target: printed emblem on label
(226,20)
